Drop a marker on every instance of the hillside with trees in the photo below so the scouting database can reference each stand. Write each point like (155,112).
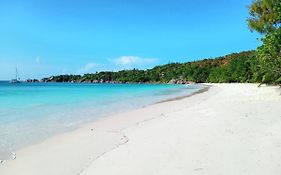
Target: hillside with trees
(237,67)
(260,66)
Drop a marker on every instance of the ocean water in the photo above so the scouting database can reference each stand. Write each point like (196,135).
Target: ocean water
(31,112)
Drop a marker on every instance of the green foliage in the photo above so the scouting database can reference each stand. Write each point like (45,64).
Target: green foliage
(266,18)
(219,75)
(265,15)
(269,57)
(238,67)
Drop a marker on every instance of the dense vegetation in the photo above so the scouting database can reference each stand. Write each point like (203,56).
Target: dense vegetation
(238,67)
(262,66)
(265,18)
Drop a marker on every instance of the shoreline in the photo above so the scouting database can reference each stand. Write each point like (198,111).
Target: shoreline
(14,152)
(204,89)
(10,153)
(89,148)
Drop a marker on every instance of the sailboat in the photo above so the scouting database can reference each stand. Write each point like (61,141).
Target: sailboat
(17,79)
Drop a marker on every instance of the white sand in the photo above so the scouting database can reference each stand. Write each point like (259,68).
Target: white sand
(229,130)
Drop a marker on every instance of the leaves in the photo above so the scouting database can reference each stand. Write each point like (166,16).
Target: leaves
(237,67)
(265,16)
(269,57)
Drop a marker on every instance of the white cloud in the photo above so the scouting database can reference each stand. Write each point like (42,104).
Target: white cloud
(130,61)
(87,68)
(38,60)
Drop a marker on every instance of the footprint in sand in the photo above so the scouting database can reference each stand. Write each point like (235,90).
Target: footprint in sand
(198,169)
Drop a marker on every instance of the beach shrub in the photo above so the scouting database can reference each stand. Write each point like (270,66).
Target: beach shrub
(265,18)
(269,55)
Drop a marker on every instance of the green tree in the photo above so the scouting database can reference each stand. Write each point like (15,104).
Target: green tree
(269,55)
(265,15)
(237,67)
(265,18)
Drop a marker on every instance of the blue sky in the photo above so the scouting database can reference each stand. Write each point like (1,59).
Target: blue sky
(53,37)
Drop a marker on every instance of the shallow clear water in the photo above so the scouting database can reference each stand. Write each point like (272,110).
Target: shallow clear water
(31,112)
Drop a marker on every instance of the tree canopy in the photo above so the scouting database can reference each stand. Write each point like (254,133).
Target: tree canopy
(265,18)
(237,67)
(265,15)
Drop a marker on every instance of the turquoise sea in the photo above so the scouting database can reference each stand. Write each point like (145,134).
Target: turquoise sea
(31,112)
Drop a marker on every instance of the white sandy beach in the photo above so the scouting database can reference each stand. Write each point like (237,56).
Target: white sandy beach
(231,129)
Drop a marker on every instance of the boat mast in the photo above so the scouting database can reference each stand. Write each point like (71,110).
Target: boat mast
(16,73)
